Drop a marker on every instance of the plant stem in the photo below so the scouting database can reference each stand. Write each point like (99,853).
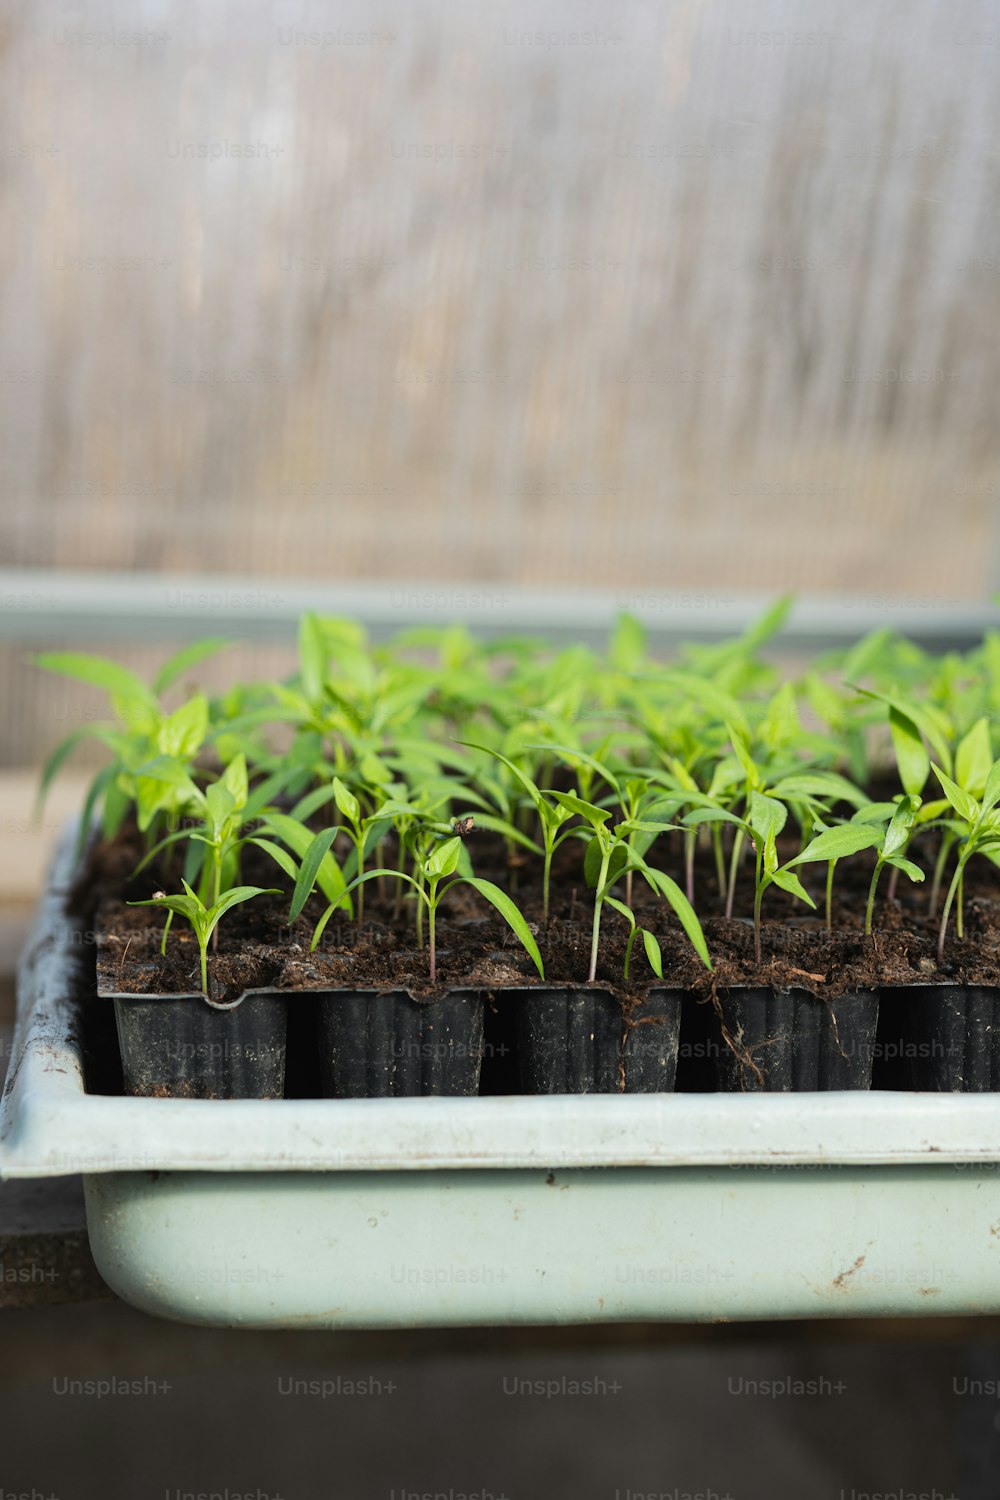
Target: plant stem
(959,905)
(216,891)
(955,882)
(756,922)
(720,859)
(871,897)
(204,964)
(689,846)
(431,914)
(545,883)
(359,910)
(598,903)
(733,865)
(831,865)
(400,862)
(947,843)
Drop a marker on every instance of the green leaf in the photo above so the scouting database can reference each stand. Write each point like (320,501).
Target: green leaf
(786,881)
(682,907)
(908,868)
(305,880)
(825,784)
(898,831)
(595,816)
(312,656)
(781,723)
(625,911)
(182,734)
(911,755)
(932,724)
(184,660)
(837,843)
(991,792)
(443,860)
(628,644)
(115,679)
(347,803)
(511,916)
(236,781)
(220,803)
(329,878)
(187,906)
(740,740)
(767,815)
(65,748)
(594,858)
(974,758)
(281,857)
(653,953)
(967,807)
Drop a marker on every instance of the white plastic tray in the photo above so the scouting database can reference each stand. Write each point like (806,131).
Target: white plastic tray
(365,1213)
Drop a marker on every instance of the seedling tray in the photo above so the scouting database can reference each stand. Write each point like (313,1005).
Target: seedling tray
(407,1212)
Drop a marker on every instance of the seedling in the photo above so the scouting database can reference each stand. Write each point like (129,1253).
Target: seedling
(140,729)
(438,866)
(204,919)
(980,834)
(609,857)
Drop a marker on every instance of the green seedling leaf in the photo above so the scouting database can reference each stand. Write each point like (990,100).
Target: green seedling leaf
(515,921)
(306,878)
(991,792)
(312,656)
(628,644)
(682,909)
(974,758)
(347,804)
(653,954)
(898,831)
(593,859)
(907,866)
(837,843)
(182,734)
(329,877)
(967,807)
(767,815)
(825,784)
(115,679)
(281,857)
(787,881)
(911,755)
(237,782)
(443,860)
(595,816)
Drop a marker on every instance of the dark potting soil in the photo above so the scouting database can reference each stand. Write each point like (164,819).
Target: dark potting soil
(477,950)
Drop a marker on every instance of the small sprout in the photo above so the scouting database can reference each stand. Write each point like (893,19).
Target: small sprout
(204,919)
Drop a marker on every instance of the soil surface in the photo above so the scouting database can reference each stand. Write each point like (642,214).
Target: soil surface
(476,948)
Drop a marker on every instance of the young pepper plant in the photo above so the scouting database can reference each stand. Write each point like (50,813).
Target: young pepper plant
(204,919)
(436,877)
(609,857)
(980,834)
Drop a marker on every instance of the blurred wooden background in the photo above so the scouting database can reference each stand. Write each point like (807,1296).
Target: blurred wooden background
(651,296)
